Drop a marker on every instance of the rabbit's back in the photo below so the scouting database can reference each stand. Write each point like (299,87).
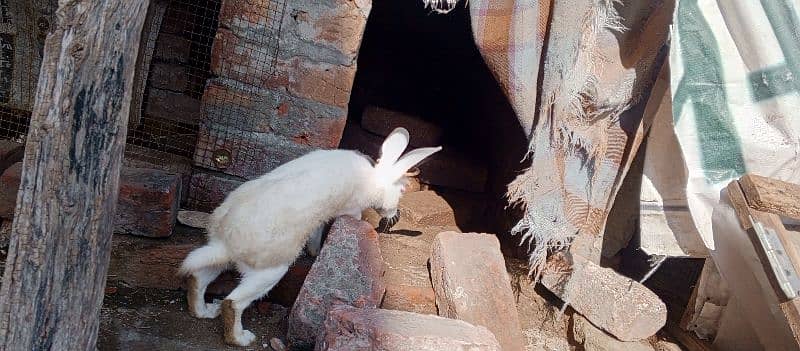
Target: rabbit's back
(266,221)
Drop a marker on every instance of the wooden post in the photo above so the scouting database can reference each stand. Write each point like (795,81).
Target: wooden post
(61,237)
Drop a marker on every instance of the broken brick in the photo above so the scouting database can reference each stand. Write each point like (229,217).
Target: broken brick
(383,121)
(349,270)
(426,208)
(471,283)
(148,202)
(350,329)
(616,304)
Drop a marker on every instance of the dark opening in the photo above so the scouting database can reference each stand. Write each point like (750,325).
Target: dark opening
(427,65)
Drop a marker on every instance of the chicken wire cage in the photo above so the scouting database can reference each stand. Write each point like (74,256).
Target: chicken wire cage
(187,48)
(23,28)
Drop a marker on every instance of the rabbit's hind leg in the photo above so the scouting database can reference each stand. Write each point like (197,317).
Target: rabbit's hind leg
(198,282)
(254,284)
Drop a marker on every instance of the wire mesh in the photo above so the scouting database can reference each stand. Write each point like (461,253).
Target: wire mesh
(186,51)
(199,87)
(24,25)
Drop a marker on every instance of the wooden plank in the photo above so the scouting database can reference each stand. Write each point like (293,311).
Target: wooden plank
(771,195)
(739,202)
(61,235)
(150,29)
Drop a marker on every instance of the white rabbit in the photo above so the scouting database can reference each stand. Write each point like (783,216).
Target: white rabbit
(262,226)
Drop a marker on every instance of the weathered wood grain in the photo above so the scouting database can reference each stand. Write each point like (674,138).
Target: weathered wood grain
(771,195)
(61,236)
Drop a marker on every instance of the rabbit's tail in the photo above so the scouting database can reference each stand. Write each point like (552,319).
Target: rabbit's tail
(213,254)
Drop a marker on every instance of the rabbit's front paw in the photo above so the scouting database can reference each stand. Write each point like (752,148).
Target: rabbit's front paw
(244,338)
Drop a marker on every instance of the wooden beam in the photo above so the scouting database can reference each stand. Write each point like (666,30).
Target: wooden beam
(61,236)
(771,195)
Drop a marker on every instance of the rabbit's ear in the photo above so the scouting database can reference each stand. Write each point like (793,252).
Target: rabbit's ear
(411,159)
(393,146)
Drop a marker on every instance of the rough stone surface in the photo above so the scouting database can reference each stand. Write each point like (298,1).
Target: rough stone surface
(406,249)
(426,208)
(618,305)
(252,154)
(207,190)
(471,283)
(9,186)
(10,153)
(383,121)
(328,83)
(236,105)
(361,329)
(173,106)
(349,270)
(148,202)
(594,339)
(451,169)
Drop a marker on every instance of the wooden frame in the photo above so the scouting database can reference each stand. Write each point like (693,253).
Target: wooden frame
(61,235)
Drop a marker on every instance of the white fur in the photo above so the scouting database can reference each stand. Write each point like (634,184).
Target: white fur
(262,226)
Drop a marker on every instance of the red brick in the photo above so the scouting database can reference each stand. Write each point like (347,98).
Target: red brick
(148,202)
(451,169)
(10,153)
(471,283)
(304,121)
(383,121)
(207,191)
(140,157)
(614,303)
(9,186)
(252,154)
(172,48)
(356,329)
(349,270)
(236,58)
(409,298)
(173,106)
(426,208)
(334,28)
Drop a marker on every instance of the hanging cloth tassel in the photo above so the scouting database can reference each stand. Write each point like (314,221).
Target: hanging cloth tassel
(440,6)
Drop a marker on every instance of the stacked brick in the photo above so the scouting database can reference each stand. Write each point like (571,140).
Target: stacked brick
(259,118)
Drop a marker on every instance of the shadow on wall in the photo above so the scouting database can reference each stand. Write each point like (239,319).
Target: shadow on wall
(427,65)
